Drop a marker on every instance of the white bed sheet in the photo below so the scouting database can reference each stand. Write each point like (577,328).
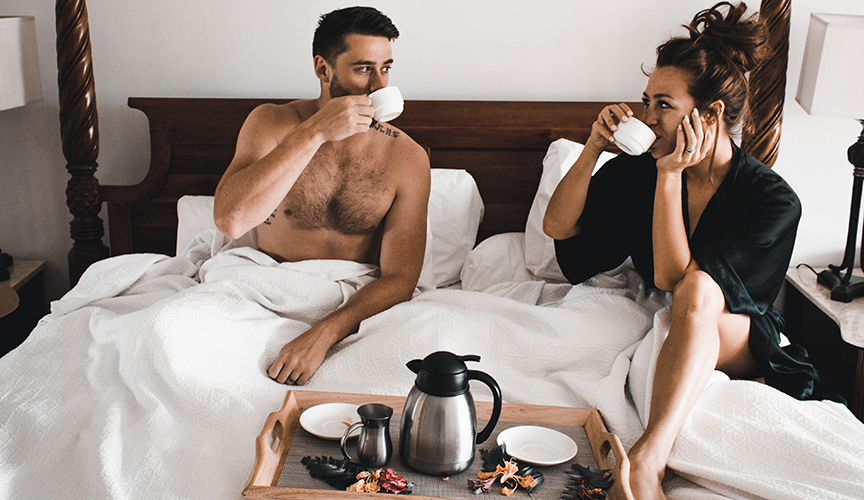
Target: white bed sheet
(148,379)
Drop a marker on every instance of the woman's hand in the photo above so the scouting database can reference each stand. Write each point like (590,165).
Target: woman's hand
(607,123)
(694,141)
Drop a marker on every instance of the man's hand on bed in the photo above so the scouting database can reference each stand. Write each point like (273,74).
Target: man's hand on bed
(301,357)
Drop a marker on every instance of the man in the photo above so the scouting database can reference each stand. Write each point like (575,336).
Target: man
(321,180)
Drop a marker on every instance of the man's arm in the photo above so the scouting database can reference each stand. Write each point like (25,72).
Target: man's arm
(402,247)
(273,148)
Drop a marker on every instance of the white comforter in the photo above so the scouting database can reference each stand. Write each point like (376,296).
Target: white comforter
(147,380)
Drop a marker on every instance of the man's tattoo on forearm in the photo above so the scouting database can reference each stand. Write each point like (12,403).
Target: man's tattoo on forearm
(385,130)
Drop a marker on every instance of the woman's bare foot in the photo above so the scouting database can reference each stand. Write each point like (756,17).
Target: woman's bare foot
(646,475)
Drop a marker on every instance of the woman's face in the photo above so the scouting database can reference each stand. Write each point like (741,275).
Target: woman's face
(666,103)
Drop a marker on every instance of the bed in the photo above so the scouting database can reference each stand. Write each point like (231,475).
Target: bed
(147,379)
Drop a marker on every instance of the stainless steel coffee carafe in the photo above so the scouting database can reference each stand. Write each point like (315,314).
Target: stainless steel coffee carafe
(438,422)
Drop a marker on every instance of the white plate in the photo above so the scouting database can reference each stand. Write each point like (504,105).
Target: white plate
(537,445)
(329,420)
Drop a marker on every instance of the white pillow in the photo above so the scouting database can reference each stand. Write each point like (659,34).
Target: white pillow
(540,249)
(497,259)
(454,213)
(194,215)
(427,272)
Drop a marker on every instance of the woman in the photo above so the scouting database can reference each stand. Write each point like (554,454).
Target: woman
(700,218)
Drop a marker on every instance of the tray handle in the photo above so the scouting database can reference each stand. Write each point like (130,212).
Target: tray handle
(602,443)
(271,446)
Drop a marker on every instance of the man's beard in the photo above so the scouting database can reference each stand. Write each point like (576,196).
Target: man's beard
(336,87)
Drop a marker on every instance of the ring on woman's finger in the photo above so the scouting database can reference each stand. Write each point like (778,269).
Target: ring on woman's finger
(689,151)
(291,380)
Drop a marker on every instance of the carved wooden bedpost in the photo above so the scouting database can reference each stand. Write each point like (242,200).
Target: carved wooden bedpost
(768,84)
(79,132)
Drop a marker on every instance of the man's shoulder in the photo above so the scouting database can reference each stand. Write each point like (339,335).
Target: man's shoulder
(399,144)
(272,114)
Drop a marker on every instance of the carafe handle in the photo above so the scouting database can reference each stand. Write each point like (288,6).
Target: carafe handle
(496,404)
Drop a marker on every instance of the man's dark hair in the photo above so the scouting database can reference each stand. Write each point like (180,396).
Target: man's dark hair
(329,39)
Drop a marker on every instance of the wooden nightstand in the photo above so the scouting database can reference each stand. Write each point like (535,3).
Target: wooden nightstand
(26,279)
(831,331)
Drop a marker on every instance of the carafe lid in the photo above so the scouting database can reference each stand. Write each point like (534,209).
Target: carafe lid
(442,373)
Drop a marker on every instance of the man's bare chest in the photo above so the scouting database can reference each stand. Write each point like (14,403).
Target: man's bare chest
(338,193)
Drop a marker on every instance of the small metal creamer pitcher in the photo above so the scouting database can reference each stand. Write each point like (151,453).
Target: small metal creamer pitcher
(374,446)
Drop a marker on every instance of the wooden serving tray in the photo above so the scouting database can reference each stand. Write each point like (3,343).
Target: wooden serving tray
(275,439)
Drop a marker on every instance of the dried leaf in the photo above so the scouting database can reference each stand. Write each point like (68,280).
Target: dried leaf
(589,483)
(481,485)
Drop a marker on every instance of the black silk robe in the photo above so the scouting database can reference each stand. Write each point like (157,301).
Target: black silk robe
(744,240)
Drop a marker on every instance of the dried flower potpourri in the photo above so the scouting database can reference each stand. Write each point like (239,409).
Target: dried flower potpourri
(588,483)
(379,480)
(391,482)
(346,475)
(498,465)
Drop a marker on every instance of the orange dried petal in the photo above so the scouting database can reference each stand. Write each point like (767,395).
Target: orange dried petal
(509,470)
(507,491)
(372,487)
(486,475)
(526,482)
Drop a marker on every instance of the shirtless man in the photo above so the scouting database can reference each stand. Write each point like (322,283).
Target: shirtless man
(321,180)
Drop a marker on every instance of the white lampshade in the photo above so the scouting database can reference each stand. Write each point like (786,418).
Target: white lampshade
(20,82)
(832,73)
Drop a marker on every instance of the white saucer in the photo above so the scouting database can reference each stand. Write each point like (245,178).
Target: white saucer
(329,420)
(537,445)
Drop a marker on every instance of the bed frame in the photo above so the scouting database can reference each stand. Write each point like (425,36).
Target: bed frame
(501,144)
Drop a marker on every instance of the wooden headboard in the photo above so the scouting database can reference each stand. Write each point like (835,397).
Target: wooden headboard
(501,144)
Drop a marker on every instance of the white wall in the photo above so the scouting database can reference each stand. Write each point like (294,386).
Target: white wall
(449,49)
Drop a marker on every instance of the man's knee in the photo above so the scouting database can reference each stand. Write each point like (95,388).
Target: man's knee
(698,292)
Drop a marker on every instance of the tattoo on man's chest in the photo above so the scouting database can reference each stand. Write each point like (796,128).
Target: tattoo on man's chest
(385,130)
(270,219)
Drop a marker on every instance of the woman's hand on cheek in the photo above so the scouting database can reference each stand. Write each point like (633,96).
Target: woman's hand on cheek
(693,142)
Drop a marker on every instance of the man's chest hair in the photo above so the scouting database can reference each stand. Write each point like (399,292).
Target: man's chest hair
(350,196)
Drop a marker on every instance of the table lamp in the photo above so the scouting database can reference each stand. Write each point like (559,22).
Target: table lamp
(830,85)
(20,82)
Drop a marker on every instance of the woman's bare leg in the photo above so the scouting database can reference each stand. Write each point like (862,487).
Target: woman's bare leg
(703,336)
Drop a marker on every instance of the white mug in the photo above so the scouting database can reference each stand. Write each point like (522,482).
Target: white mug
(388,103)
(634,137)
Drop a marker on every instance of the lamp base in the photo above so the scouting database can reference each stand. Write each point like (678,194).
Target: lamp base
(841,291)
(5,262)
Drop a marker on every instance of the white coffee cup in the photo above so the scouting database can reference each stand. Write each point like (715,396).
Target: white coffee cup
(634,137)
(388,103)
